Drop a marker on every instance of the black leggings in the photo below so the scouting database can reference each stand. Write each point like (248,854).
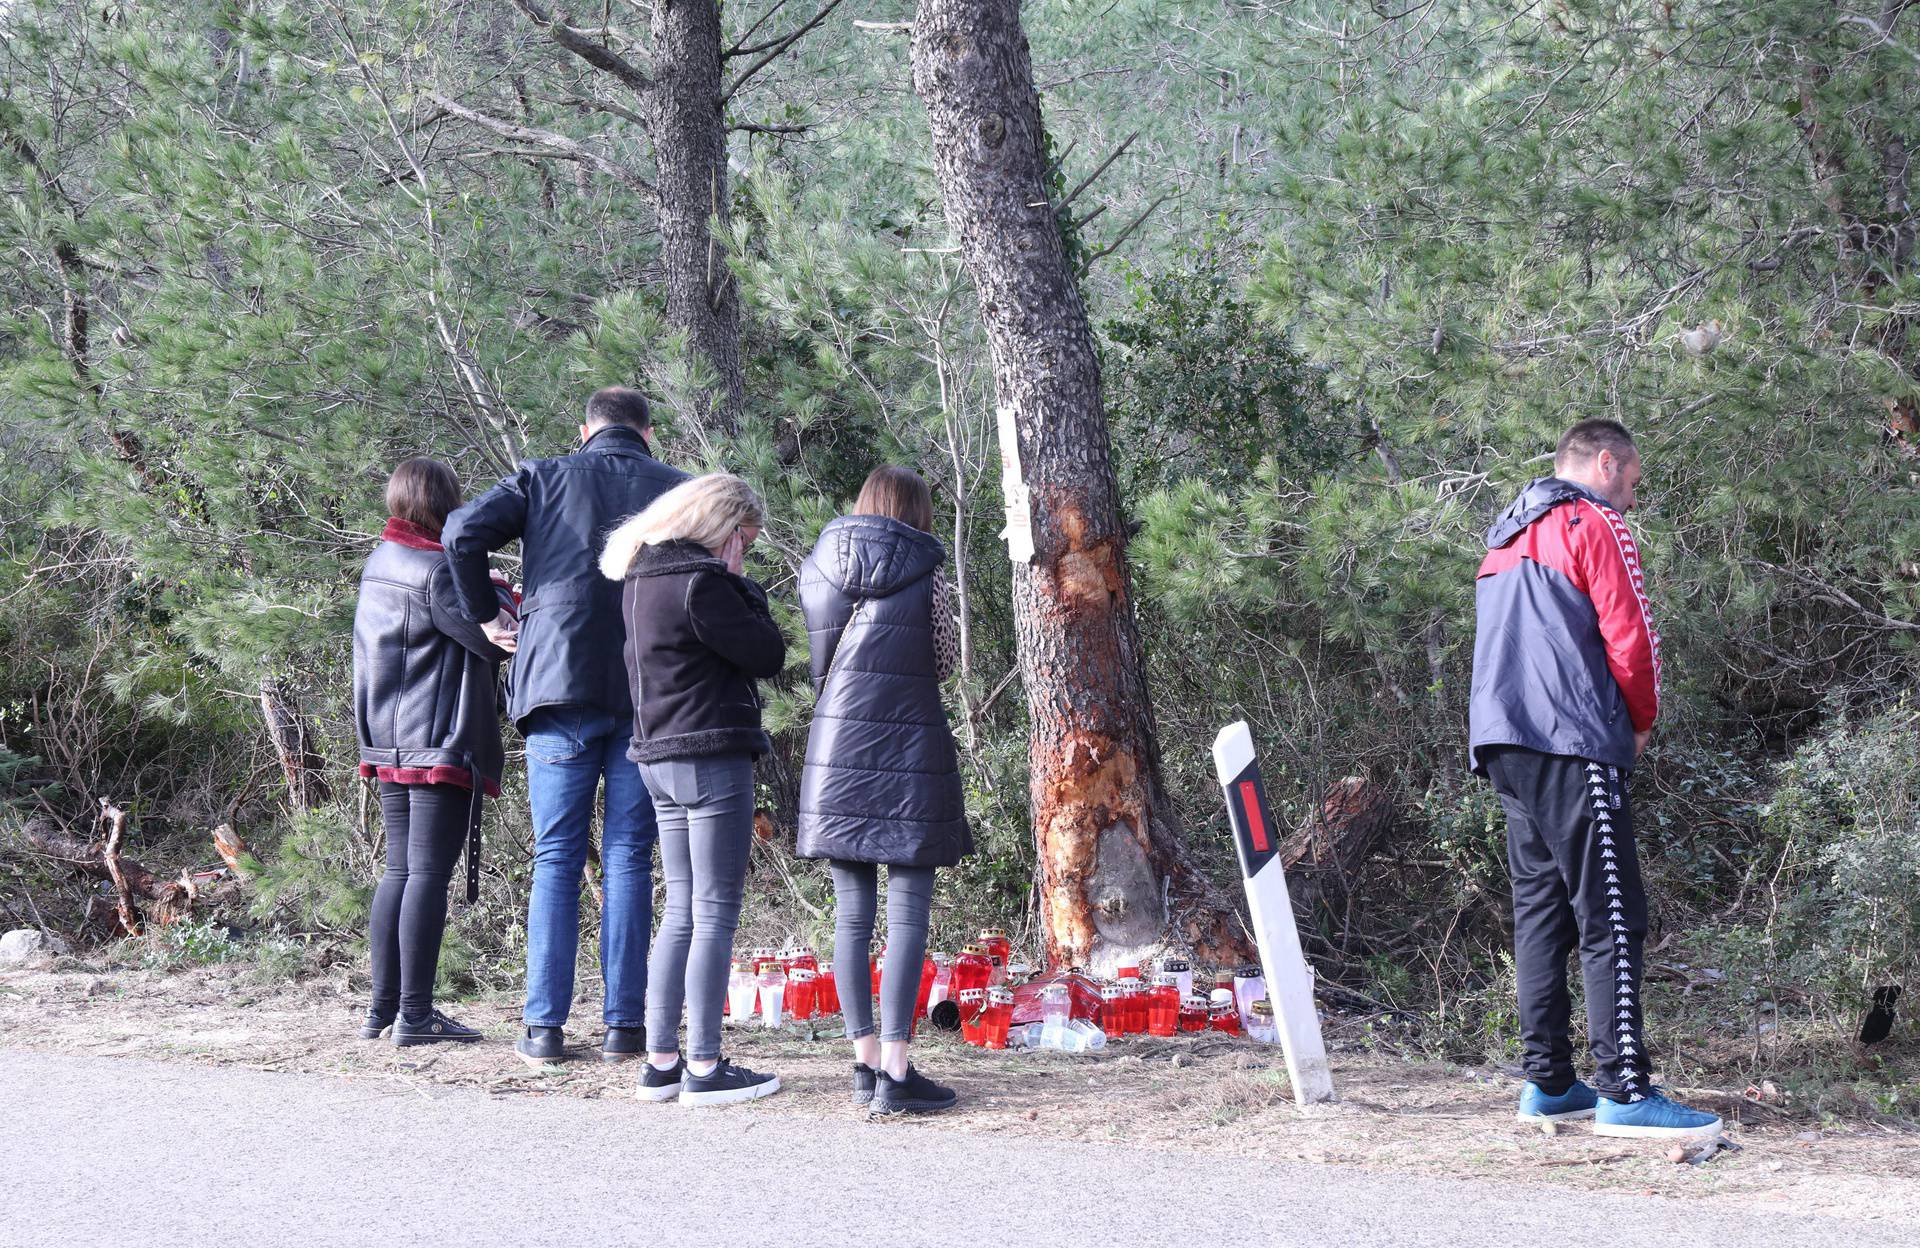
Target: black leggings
(909,900)
(426,826)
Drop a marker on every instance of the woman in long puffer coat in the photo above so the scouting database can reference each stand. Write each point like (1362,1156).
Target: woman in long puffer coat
(881,786)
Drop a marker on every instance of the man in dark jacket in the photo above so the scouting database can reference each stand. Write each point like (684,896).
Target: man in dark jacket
(1566,687)
(567,693)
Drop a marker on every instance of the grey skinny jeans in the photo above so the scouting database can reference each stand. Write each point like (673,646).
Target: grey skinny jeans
(856,886)
(704,807)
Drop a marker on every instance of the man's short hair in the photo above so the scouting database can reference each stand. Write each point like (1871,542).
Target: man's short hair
(1581,443)
(619,405)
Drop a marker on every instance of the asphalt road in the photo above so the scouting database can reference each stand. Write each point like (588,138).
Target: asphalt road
(121,1151)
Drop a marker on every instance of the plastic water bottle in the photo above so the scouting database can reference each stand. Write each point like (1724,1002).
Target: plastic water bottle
(1091,1037)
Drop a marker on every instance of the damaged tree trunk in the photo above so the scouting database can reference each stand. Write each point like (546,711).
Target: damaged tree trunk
(300,762)
(1112,865)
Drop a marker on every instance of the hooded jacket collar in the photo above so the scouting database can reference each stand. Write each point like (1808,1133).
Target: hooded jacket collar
(1541,495)
(874,556)
(669,558)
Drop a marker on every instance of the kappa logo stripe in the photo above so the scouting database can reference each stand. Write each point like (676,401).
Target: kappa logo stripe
(1630,559)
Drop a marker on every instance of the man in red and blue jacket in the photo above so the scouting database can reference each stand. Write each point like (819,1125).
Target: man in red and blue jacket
(1566,689)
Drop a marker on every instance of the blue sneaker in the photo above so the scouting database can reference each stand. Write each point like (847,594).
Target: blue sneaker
(1653,1115)
(1576,1102)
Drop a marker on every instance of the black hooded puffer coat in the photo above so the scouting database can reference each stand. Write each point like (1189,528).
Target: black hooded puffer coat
(882,778)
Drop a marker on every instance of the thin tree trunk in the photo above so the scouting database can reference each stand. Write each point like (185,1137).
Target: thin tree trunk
(1107,844)
(686,112)
(300,761)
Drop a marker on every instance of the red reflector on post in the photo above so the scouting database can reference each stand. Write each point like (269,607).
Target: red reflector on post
(1256,822)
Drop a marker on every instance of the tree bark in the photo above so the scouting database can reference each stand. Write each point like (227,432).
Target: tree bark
(1107,843)
(300,762)
(684,106)
(687,118)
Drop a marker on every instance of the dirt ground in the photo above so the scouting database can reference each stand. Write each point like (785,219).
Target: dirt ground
(1196,1094)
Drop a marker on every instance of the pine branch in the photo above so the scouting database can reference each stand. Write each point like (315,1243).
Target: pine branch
(605,106)
(1129,228)
(486,402)
(738,48)
(578,42)
(779,48)
(1097,171)
(559,144)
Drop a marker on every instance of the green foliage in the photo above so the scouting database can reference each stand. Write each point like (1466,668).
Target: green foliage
(1845,824)
(13,769)
(190,942)
(1467,827)
(1198,389)
(1381,265)
(313,881)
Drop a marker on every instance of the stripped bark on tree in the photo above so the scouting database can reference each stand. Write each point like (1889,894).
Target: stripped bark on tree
(1107,841)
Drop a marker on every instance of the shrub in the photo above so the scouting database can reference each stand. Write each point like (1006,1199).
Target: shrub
(1845,820)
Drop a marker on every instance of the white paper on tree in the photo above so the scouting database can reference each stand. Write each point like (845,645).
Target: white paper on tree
(1018,533)
(1289,978)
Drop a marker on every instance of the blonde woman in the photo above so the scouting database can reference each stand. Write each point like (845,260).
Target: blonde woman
(698,634)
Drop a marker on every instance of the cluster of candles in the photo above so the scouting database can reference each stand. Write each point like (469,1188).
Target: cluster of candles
(779,986)
(1131,1005)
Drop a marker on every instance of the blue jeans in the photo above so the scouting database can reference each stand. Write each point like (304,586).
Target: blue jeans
(569,750)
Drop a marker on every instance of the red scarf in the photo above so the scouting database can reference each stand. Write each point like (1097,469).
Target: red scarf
(407,533)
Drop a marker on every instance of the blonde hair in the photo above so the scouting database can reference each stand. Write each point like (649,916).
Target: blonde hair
(705,511)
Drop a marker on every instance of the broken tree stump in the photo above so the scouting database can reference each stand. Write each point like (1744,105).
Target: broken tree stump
(105,860)
(234,852)
(1325,858)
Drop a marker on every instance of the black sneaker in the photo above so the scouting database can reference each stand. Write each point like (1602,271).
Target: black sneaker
(862,1084)
(622,1043)
(726,1084)
(435,1028)
(916,1094)
(541,1046)
(376,1023)
(661,1085)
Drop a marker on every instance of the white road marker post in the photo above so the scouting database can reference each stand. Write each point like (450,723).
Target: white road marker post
(1289,981)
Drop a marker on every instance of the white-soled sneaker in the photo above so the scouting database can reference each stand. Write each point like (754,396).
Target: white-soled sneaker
(1652,1116)
(661,1085)
(726,1084)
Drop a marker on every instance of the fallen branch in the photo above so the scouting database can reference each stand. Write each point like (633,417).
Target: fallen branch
(116,821)
(173,899)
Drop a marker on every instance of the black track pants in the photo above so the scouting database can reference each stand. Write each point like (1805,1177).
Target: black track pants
(1576,884)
